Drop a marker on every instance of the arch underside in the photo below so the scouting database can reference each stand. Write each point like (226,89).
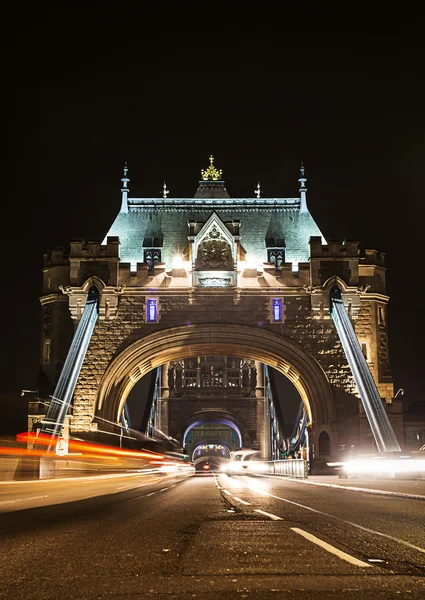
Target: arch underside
(209,417)
(153,350)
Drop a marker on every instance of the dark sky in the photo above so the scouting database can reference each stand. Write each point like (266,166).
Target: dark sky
(261,90)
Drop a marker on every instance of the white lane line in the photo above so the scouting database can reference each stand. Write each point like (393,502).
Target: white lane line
(319,512)
(227,492)
(343,555)
(163,490)
(242,501)
(151,494)
(274,517)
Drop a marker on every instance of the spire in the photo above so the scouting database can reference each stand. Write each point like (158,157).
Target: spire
(124,190)
(257,192)
(303,189)
(165,192)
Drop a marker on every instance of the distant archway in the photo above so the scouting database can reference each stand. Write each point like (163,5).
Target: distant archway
(213,416)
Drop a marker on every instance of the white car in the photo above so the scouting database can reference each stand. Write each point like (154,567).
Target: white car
(245,461)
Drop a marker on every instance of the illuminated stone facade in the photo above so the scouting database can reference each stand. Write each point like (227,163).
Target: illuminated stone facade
(214,275)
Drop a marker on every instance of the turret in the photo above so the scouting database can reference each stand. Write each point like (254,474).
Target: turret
(124,190)
(303,190)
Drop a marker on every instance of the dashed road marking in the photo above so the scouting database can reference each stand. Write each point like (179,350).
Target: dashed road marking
(266,514)
(319,512)
(227,492)
(343,555)
(242,501)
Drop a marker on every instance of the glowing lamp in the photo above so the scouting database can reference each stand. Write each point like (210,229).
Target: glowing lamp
(177,261)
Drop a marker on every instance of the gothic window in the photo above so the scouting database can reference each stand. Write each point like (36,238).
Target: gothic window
(211,376)
(381,314)
(152,312)
(46,350)
(277,310)
(324,444)
(276,251)
(190,377)
(364,349)
(276,256)
(152,257)
(233,378)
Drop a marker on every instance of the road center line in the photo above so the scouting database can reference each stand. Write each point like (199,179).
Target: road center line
(331,549)
(227,492)
(151,494)
(319,512)
(274,517)
(242,501)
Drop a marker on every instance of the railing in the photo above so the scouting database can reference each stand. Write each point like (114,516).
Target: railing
(295,468)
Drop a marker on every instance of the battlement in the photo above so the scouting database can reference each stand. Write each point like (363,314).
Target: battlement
(94,249)
(345,249)
(292,278)
(130,277)
(55,257)
(373,257)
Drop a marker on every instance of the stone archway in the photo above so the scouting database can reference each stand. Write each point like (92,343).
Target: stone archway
(283,354)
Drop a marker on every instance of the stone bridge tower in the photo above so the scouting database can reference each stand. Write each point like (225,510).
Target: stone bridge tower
(182,280)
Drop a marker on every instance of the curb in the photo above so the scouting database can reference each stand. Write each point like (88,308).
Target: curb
(352,488)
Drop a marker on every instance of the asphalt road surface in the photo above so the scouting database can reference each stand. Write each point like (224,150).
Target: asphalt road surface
(207,537)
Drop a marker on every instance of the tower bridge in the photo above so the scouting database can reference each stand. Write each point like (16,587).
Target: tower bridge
(208,293)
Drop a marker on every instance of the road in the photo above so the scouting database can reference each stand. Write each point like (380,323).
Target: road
(209,537)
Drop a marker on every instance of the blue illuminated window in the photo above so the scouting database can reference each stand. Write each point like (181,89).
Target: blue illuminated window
(152,310)
(277,310)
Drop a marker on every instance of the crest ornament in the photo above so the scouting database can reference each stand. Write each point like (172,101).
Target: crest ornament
(211,174)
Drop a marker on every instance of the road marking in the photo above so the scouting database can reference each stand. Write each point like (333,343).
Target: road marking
(240,500)
(163,490)
(274,517)
(343,555)
(151,494)
(377,560)
(319,512)
(227,492)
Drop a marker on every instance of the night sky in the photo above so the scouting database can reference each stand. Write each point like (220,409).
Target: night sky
(262,91)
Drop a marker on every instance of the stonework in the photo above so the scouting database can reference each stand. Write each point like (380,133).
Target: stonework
(224,279)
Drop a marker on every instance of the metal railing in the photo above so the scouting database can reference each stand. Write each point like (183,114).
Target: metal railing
(296,468)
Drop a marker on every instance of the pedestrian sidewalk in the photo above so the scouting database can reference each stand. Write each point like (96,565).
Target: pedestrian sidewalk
(414,488)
